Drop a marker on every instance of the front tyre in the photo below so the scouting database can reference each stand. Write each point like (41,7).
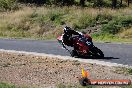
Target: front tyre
(97,53)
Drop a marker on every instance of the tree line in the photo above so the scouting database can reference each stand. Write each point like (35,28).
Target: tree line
(98,3)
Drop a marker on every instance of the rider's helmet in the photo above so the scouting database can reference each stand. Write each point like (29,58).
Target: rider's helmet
(66,29)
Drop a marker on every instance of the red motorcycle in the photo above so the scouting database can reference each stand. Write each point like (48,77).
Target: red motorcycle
(83,47)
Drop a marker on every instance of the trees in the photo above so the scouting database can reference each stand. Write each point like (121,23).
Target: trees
(56,2)
(128,2)
(95,3)
(63,2)
(114,3)
(33,1)
(82,2)
(121,3)
(99,3)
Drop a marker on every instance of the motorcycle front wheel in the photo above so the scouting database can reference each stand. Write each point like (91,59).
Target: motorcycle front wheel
(97,53)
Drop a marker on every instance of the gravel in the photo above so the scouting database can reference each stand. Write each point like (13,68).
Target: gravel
(46,72)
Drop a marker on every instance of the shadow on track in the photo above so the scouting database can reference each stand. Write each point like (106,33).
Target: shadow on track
(109,58)
(106,58)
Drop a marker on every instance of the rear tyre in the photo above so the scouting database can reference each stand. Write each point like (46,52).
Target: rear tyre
(74,53)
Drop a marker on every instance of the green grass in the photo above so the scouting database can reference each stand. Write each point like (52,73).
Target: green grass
(129,86)
(74,86)
(79,86)
(4,85)
(110,38)
(9,85)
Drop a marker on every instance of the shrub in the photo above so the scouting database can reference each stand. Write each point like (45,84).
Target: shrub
(84,21)
(104,18)
(130,71)
(118,24)
(125,21)
(8,5)
(56,17)
(112,27)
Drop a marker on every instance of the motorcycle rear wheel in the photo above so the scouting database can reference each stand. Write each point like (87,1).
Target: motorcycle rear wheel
(74,53)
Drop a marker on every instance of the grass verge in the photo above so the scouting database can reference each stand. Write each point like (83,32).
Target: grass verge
(5,85)
(108,38)
(48,22)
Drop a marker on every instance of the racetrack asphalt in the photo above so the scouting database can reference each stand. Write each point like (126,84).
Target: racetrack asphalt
(115,53)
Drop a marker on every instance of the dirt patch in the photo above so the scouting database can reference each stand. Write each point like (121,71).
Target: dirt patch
(40,71)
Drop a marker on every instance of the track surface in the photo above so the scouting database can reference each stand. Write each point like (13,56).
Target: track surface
(117,53)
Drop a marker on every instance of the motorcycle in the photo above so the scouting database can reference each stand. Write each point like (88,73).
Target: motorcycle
(83,47)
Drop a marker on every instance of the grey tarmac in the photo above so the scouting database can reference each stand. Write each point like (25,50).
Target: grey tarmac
(114,53)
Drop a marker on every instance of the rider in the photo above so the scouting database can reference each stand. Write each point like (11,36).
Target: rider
(67,36)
